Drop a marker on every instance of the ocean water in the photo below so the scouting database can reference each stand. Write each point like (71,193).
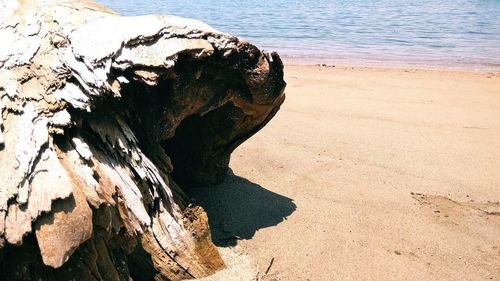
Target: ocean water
(457,34)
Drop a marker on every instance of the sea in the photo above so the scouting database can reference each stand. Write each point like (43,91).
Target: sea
(445,34)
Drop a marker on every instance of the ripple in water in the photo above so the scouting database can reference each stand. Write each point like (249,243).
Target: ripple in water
(462,34)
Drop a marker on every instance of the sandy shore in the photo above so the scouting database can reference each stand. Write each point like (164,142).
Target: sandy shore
(367,174)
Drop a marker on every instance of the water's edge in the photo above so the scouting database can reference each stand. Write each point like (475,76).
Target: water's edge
(396,65)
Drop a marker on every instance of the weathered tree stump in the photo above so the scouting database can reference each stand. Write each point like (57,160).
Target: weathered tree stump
(101,116)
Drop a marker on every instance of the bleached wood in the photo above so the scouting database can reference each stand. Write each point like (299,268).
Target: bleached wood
(91,103)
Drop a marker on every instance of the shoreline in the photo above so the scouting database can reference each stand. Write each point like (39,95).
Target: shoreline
(389,68)
(395,65)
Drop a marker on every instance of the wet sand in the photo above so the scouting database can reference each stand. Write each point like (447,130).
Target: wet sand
(367,174)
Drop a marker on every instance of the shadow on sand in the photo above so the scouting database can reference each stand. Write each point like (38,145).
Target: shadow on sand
(237,208)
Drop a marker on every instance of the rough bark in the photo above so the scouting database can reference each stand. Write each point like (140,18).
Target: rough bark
(102,116)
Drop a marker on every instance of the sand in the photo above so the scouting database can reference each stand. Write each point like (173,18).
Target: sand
(367,174)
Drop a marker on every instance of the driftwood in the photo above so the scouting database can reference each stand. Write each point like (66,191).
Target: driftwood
(103,120)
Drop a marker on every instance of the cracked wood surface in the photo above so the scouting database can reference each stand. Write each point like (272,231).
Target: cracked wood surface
(101,117)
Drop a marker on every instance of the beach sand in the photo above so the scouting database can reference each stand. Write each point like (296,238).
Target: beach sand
(366,174)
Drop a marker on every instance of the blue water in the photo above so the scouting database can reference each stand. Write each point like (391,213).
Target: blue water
(462,34)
